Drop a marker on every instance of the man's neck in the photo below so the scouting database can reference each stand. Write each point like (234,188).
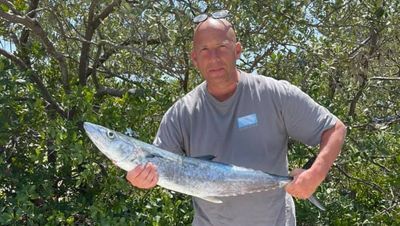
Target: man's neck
(222,92)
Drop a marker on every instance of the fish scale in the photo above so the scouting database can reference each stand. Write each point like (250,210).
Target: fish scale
(197,177)
(204,179)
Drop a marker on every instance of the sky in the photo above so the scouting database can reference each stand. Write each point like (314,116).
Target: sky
(7,45)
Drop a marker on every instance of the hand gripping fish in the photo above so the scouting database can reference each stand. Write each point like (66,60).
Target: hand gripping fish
(197,177)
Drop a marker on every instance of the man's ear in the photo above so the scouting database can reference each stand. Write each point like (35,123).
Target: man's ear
(194,58)
(238,50)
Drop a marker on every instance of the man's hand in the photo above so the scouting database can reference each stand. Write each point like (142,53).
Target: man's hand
(145,177)
(303,184)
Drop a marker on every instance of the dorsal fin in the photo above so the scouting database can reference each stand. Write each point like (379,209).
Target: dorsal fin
(205,157)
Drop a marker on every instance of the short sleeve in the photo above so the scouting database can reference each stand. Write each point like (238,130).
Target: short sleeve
(169,135)
(304,119)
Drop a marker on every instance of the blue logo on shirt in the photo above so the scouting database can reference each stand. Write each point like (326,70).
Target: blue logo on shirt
(247,121)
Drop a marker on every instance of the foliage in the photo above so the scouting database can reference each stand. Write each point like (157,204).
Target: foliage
(123,63)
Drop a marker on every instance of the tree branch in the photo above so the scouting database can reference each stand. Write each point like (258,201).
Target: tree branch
(375,186)
(84,56)
(10,6)
(42,35)
(101,90)
(386,78)
(353,103)
(35,78)
(110,91)
(365,65)
(110,51)
(32,14)
(354,52)
(20,63)
(105,13)
(93,23)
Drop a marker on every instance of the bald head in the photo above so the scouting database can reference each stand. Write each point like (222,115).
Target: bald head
(214,26)
(215,51)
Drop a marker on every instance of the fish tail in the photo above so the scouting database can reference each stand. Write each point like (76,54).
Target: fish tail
(316,202)
(312,198)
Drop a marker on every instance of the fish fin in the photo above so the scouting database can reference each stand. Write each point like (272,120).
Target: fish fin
(205,157)
(312,198)
(153,155)
(286,178)
(211,199)
(309,162)
(316,202)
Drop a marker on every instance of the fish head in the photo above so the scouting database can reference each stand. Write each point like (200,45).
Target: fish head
(116,146)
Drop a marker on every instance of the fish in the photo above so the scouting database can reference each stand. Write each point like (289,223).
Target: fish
(195,176)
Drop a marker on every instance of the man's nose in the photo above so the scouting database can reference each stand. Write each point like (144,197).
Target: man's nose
(214,54)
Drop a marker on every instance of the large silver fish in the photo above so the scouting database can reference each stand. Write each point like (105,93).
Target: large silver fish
(197,177)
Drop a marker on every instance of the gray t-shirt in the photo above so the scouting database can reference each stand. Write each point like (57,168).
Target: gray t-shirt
(250,129)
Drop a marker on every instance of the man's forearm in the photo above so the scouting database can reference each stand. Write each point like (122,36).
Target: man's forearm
(330,146)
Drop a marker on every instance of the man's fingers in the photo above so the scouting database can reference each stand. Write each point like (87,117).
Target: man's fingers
(148,172)
(133,174)
(300,187)
(296,172)
(153,180)
(148,175)
(143,176)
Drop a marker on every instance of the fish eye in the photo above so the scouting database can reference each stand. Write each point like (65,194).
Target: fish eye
(110,135)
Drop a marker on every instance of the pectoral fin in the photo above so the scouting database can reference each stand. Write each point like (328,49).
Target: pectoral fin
(153,155)
(211,199)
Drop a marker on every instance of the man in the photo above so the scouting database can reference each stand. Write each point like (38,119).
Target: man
(245,120)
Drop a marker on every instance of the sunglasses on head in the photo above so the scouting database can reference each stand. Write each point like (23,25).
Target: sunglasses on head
(216,15)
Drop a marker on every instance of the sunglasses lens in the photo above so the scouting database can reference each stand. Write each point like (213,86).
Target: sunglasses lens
(220,14)
(200,18)
(216,15)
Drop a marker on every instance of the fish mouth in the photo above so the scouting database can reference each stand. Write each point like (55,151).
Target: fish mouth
(97,135)
(91,130)
(94,131)
(89,127)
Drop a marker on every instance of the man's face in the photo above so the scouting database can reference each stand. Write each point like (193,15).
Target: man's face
(215,51)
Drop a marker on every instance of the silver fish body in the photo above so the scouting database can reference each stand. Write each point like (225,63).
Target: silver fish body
(192,176)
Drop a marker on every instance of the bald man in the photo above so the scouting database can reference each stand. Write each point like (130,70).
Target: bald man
(212,119)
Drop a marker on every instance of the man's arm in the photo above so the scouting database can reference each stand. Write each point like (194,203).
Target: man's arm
(307,181)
